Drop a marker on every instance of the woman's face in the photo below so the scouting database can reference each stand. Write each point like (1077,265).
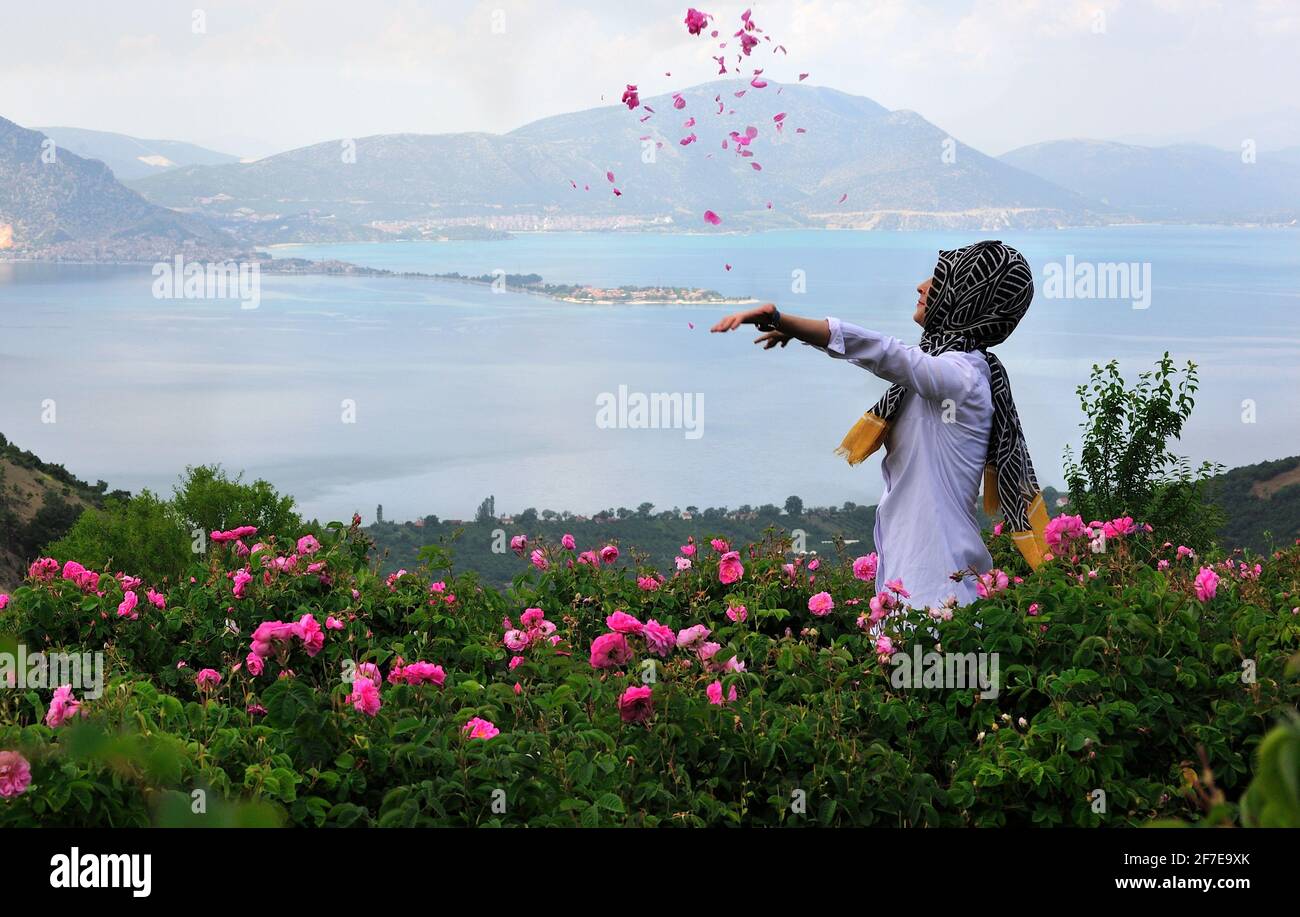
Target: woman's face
(923,294)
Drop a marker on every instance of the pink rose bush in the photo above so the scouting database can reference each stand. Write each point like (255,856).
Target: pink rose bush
(603,689)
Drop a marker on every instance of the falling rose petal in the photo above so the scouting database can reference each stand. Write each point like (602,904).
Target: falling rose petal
(586,187)
(843,197)
(689,123)
(727,266)
(645,118)
(758,84)
(802,77)
(649,109)
(756,167)
(678,101)
(691,325)
(779,117)
(696,21)
(688,139)
(610,176)
(712,218)
(630,97)
(769,205)
(618,193)
(574,183)
(800,130)
(713,34)
(740,94)
(780,48)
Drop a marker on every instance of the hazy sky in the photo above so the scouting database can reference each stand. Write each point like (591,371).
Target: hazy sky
(268,75)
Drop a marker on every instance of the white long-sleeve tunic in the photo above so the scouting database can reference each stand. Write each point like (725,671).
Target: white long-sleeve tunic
(935,451)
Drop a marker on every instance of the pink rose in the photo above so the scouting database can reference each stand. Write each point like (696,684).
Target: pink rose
(15,774)
(730,568)
(207,679)
(624,623)
(532,617)
(423,673)
(821,604)
(308,544)
(1207,583)
(608,554)
(636,704)
(310,633)
(62,706)
(127,607)
(659,638)
(864,568)
(714,693)
(610,651)
(365,696)
(479,728)
(567,542)
(690,636)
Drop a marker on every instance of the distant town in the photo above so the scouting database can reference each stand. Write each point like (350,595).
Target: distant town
(594,295)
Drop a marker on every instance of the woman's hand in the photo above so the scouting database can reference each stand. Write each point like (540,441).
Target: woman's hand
(756,316)
(772,338)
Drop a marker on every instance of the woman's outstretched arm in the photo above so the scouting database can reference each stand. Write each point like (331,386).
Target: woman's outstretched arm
(933,378)
(778,327)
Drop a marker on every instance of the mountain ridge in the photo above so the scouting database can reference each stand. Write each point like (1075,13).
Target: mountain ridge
(132,157)
(889,163)
(1185,182)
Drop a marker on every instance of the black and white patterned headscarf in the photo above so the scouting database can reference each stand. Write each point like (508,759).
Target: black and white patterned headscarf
(978,296)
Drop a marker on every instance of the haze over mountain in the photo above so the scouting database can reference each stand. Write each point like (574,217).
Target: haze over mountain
(1180,183)
(50,196)
(891,166)
(133,157)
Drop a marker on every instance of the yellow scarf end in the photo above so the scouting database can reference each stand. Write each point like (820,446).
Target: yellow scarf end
(991,502)
(864,438)
(1032,545)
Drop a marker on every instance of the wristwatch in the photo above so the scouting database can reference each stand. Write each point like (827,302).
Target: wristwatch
(772,322)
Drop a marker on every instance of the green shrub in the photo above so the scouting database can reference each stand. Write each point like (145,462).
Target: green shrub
(1126,467)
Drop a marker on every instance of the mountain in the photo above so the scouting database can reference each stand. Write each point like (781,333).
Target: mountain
(1183,183)
(39,502)
(52,198)
(1260,499)
(889,164)
(130,157)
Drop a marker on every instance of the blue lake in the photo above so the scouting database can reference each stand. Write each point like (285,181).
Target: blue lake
(458,392)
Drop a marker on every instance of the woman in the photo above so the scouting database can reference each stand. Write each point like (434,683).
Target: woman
(948,419)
